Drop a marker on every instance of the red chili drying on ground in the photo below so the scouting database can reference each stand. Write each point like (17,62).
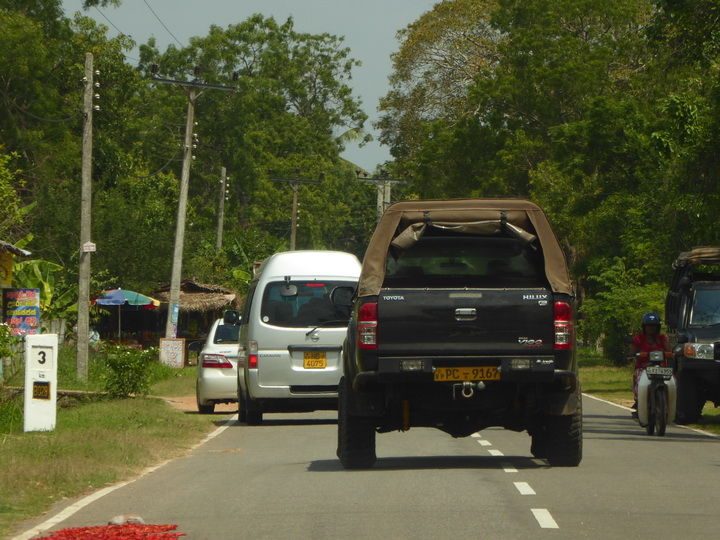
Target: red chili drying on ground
(117,532)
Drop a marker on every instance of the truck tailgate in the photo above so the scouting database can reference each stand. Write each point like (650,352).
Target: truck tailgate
(465,322)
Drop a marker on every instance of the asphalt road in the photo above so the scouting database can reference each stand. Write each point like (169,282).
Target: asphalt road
(282,480)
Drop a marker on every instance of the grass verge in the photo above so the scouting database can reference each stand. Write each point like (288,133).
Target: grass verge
(94,444)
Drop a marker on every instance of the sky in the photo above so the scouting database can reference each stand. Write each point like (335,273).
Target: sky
(368,26)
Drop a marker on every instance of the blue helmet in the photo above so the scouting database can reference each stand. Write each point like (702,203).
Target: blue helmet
(651,318)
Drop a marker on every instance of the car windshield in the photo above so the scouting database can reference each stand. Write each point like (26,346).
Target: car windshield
(309,306)
(226,333)
(466,261)
(705,307)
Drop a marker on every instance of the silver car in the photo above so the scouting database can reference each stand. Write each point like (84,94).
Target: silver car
(217,368)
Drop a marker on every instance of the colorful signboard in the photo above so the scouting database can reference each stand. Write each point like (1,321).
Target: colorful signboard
(22,311)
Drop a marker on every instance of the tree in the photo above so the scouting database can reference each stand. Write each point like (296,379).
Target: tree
(439,58)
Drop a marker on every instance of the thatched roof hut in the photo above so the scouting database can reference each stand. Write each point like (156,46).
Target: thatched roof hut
(200,297)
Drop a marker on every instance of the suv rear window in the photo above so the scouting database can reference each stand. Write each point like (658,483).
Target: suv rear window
(309,307)
(705,307)
(466,261)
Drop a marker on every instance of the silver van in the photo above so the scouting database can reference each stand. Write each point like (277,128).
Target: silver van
(291,333)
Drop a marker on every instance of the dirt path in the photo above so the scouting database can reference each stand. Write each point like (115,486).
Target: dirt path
(188,403)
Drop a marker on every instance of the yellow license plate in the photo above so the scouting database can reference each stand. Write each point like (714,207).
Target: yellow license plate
(314,360)
(485,373)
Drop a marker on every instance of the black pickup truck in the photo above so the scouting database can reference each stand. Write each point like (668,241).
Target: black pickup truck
(463,319)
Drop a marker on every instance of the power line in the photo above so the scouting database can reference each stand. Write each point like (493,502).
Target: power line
(163,24)
(109,21)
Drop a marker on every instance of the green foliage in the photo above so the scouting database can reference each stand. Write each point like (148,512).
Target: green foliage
(7,341)
(57,299)
(129,370)
(616,309)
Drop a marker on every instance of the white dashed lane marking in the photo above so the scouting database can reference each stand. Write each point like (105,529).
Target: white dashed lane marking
(544,518)
(524,488)
(542,515)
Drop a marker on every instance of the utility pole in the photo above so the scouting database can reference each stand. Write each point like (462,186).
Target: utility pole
(174,301)
(176,276)
(294,184)
(86,246)
(221,208)
(384,189)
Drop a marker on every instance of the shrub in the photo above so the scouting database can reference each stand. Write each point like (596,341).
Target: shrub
(129,370)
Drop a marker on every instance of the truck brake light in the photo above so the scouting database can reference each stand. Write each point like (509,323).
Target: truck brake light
(252,359)
(367,326)
(563,326)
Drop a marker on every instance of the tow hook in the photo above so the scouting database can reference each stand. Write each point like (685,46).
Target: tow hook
(467,388)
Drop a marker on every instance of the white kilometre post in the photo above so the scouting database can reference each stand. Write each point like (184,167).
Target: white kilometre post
(40,382)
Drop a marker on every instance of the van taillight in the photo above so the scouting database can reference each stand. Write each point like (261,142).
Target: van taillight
(252,359)
(563,326)
(367,326)
(215,361)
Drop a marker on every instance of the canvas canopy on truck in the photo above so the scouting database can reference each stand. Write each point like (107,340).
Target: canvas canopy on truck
(403,223)
(684,266)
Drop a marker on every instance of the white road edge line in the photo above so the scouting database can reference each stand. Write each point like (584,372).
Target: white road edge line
(676,425)
(70,510)
(524,488)
(544,518)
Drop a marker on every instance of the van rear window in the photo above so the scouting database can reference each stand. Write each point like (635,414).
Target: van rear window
(303,304)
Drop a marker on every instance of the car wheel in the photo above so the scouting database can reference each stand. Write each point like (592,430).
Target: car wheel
(563,443)
(242,407)
(356,434)
(203,409)
(253,413)
(690,401)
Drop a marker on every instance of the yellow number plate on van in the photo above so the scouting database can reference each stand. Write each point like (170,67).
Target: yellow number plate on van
(485,373)
(314,360)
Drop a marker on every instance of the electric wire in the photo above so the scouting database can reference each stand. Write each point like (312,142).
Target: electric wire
(109,21)
(163,24)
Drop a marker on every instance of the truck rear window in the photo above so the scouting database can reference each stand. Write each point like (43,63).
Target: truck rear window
(466,261)
(309,306)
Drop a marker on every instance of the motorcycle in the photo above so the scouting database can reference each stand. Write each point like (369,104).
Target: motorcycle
(657,393)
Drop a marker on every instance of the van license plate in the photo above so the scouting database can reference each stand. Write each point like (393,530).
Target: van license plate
(314,360)
(485,373)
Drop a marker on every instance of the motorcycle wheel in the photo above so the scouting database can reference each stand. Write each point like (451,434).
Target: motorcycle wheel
(660,411)
(650,426)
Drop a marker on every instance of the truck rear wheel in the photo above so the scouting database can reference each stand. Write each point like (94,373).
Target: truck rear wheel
(689,399)
(356,434)
(563,439)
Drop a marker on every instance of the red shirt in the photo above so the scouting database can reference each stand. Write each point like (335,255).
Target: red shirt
(646,345)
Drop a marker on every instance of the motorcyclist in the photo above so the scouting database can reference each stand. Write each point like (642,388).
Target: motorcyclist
(650,339)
